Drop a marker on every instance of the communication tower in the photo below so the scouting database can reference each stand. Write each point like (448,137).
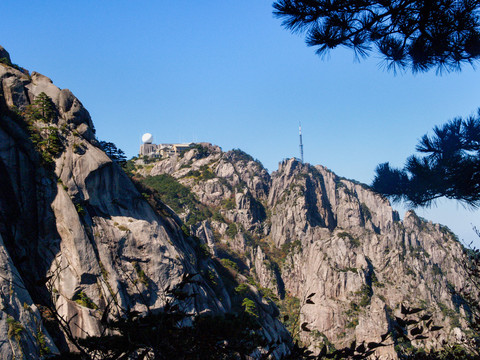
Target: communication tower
(301,144)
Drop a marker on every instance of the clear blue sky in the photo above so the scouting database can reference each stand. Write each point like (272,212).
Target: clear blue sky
(226,72)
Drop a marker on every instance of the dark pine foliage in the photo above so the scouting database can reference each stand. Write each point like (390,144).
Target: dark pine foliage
(419,35)
(113,152)
(450,167)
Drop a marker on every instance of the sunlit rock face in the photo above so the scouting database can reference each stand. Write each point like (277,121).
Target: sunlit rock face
(304,230)
(361,262)
(76,235)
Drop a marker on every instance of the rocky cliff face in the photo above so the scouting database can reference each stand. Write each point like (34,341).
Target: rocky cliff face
(76,235)
(361,262)
(305,230)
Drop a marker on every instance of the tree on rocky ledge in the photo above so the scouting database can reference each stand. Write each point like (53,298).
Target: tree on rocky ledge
(419,35)
(113,152)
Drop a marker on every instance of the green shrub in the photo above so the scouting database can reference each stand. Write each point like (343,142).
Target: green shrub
(375,280)
(187,164)
(80,210)
(242,289)
(198,214)
(103,271)
(203,251)
(15,329)
(355,242)
(218,217)
(344,235)
(229,203)
(240,186)
(46,139)
(177,196)
(129,167)
(212,277)
(231,230)
(185,230)
(123,228)
(240,155)
(142,277)
(42,343)
(202,151)
(291,248)
(366,293)
(410,272)
(367,215)
(437,270)
(171,191)
(268,294)
(5,61)
(230,264)
(290,312)
(82,299)
(352,324)
(250,307)
(194,174)
(206,173)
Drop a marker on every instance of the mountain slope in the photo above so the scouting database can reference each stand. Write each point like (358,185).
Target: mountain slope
(304,230)
(80,246)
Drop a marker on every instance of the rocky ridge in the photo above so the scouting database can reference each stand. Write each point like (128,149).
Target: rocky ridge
(76,236)
(304,230)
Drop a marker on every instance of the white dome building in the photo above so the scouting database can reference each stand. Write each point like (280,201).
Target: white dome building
(147,138)
(160,150)
(147,148)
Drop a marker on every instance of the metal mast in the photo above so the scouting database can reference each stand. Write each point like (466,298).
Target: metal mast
(301,144)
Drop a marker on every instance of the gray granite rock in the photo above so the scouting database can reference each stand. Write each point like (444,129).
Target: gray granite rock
(343,242)
(83,231)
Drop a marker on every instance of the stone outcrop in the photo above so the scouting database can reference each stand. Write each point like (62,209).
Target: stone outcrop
(360,260)
(306,230)
(76,235)
(233,181)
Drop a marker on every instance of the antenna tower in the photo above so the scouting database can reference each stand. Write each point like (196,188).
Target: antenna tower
(301,144)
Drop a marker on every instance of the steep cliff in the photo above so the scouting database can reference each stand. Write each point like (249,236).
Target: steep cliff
(305,230)
(79,243)
(361,262)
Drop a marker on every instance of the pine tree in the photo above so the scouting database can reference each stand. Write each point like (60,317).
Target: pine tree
(411,34)
(45,107)
(450,167)
(114,153)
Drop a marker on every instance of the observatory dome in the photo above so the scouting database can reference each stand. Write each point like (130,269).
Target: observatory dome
(147,138)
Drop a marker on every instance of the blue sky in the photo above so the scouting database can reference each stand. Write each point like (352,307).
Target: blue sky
(226,72)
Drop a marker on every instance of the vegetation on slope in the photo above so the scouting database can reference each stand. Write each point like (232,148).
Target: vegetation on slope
(275,258)
(177,196)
